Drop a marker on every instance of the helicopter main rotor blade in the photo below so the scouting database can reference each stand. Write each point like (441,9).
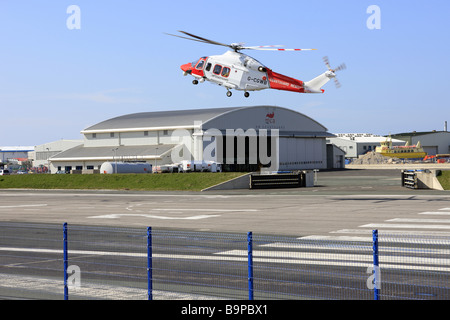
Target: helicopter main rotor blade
(235,46)
(204,39)
(174,35)
(274,48)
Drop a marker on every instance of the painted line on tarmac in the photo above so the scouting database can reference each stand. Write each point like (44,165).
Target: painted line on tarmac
(404,226)
(419,220)
(119,215)
(24,206)
(277,257)
(442,213)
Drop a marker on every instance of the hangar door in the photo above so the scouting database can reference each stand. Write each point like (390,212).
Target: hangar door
(431,150)
(302,153)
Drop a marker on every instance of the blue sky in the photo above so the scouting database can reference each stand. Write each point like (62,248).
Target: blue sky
(54,81)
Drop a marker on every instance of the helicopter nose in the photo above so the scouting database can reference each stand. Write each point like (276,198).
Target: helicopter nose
(187,68)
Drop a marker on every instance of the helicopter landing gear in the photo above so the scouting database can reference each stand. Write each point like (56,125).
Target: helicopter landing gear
(194,81)
(229,93)
(246,94)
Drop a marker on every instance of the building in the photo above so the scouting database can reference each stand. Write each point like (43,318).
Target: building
(242,138)
(8,154)
(356,144)
(43,152)
(433,142)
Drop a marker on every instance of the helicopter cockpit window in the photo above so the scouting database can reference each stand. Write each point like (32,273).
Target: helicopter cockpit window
(200,65)
(217,69)
(225,72)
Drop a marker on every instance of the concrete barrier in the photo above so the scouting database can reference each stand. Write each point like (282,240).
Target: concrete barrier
(241,182)
(421,179)
(427,180)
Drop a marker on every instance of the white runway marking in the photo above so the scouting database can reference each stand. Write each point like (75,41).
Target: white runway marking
(419,220)
(170,210)
(442,213)
(404,226)
(117,216)
(24,206)
(280,257)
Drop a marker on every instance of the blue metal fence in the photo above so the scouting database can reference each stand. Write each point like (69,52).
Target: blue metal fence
(129,263)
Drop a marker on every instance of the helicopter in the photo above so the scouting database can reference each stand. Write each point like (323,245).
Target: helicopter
(235,70)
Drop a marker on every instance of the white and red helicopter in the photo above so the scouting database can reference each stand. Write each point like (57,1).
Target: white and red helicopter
(238,71)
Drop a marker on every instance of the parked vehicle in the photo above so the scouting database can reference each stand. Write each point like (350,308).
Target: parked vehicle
(200,166)
(125,167)
(4,172)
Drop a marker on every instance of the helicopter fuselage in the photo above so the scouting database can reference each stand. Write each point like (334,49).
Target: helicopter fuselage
(238,71)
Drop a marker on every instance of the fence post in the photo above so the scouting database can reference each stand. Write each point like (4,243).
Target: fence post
(149,264)
(65,258)
(250,265)
(376,269)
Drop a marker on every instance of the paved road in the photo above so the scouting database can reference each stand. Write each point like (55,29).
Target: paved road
(340,200)
(344,206)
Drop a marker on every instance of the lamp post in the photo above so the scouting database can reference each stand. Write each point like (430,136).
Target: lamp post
(48,159)
(115,160)
(156,155)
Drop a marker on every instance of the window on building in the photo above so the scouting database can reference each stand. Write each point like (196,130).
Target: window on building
(165,132)
(111,134)
(145,133)
(94,135)
(90,167)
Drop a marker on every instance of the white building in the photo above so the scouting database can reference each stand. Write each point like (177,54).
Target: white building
(432,142)
(356,144)
(239,137)
(43,152)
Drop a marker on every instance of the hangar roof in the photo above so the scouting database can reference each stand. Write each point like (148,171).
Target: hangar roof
(256,117)
(108,153)
(158,119)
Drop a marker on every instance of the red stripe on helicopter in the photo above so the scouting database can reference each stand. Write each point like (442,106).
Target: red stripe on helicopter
(282,82)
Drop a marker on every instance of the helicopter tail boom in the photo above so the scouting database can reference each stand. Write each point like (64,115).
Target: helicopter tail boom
(315,85)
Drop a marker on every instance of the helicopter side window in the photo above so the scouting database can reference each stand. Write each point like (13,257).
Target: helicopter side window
(225,72)
(217,69)
(200,65)
(208,66)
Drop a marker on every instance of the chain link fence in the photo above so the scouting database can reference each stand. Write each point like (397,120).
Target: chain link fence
(42,261)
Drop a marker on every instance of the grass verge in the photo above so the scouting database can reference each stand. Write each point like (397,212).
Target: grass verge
(195,181)
(444,179)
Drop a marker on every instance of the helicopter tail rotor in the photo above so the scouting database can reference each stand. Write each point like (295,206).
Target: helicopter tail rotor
(333,71)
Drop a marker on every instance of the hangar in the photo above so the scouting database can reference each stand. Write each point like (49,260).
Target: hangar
(433,142)
(241,138)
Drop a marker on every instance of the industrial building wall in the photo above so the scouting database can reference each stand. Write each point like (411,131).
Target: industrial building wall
(349,146)
(138,138)
(56,166)
(434,143)
(302,153)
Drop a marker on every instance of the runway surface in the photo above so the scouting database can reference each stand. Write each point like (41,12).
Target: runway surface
(339,212)
(341,200)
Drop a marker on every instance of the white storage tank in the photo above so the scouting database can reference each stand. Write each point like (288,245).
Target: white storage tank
(125,167)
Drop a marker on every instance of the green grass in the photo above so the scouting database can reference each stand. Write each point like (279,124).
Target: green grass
(168,181)
(444,179)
